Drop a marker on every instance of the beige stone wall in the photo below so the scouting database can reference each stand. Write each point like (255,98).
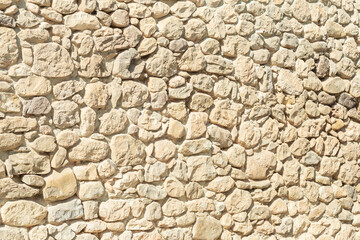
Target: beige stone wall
(179,120)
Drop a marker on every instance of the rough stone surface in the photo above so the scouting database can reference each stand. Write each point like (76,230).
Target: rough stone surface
(178,120)
(23,213)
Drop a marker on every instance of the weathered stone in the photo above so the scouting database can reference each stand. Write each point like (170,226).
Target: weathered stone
(10,141)
(150,191)
(218,65)
(9,189)
(171,27)
(200,168)
(260,165)
(249,135)
(289,82)
(92,66)
(17,124)
(134,94)
(32,86)
(9,53)
(65,211)
(147,46)
(96,95)
(90,190)
(36,106)
(13,233)
(193,147)
(7,21)
(220,136)
(43,143)
(81,21)
(52,60)
(223,114)
(192,60)
(27,19)
(221,184)
(59,185)
(113,122)
(238,201)
(195,30)
(207,228)
(23,213)
(164,150)
(162,63)
(128,65)
(126,150)
(89,150)
(29,163)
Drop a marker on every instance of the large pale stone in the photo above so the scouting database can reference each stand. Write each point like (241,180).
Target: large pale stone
(200,168)
(9,189)
(13,233)
(96,95)
(207,228)
(171,27)
(260,165)
(114,210)
(113,122)
(32,86)
(23,213)
(67,138)
(126,150)
(193,147)
(218,65)
(37,35)
(128,65)
(244,70)
(90,190)
(9,103)
(301,10)
(59,185)
(64,6)
(9,141)
(289,82)
(52,60)
(89,150)
(17,124)
(65,211)
(9,50)
(66,89)
(134,94)
(221,184)
(44,143)
(29,163)
(238,201)
(192,60)
(162,63)
(220,136)
(249,135)
(334,85)
(164,150)
(173,207)
(81,21)
(150,191)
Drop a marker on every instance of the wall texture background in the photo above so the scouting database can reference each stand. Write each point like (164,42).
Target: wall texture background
(179,120)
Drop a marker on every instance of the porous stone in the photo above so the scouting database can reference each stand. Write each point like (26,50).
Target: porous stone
(47,57)
(89,150)
(59,185)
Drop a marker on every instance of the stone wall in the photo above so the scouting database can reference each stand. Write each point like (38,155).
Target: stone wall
(179,120)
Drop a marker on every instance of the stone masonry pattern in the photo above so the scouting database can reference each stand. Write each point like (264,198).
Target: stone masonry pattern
(179,120)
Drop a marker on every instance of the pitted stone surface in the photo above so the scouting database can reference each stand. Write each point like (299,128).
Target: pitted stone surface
(178,120)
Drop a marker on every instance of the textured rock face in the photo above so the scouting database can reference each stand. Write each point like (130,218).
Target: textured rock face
(179,120)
